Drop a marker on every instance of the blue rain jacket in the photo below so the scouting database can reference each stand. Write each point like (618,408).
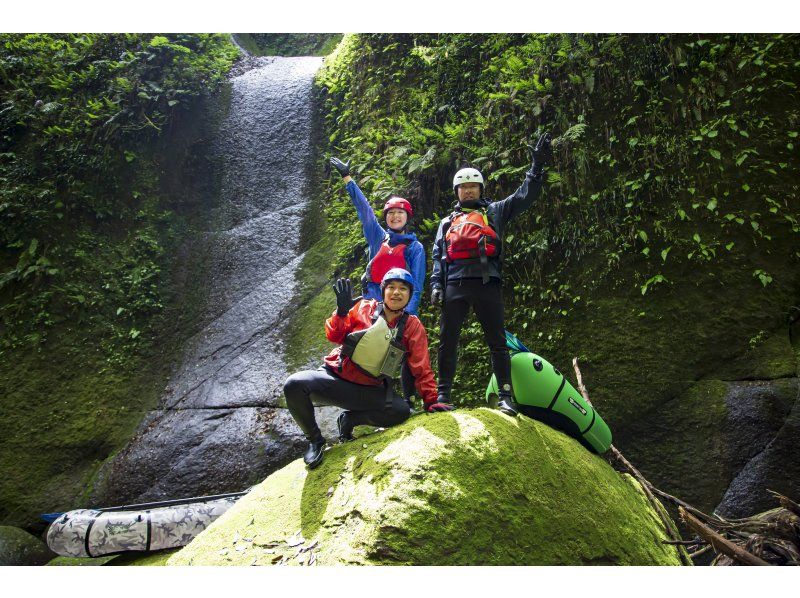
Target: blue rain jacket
(374,233)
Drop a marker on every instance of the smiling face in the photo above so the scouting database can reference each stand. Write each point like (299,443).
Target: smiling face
(396,295)
(396,218)
(469,192)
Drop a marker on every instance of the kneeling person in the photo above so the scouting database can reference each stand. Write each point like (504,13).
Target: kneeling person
(375,338)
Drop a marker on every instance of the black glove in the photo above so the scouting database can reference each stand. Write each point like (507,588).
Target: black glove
(344,169)
(541,154)
(436,296)
(344,296)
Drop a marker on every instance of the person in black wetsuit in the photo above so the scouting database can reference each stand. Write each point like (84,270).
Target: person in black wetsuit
(364,330)
(467,261)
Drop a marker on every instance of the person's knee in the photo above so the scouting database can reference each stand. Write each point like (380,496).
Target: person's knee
(294,387)
(401,410)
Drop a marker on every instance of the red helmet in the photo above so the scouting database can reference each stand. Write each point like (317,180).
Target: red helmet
(400,203)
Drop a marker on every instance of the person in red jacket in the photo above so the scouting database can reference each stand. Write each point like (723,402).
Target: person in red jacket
(374,339)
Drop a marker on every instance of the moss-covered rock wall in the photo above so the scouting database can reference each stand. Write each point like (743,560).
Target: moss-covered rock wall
(102,187)
(663,250)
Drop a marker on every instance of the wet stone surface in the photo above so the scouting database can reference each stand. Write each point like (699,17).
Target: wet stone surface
(220,426)
(772,461)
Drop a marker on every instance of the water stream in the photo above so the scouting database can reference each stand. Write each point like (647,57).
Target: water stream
(219,426)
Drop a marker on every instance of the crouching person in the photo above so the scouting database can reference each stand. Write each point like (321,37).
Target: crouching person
(375,338)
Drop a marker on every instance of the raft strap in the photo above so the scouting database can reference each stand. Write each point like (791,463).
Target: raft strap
(591,423)
(88,533)
(558,392)
(149,530)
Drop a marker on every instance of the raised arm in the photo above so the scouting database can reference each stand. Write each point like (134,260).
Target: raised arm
(373,231)
(531,187)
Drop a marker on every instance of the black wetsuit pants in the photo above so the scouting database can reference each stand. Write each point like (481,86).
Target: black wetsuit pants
(487,301)
(408,382)
(367,404)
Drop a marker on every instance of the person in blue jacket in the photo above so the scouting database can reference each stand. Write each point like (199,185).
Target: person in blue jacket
(392,247)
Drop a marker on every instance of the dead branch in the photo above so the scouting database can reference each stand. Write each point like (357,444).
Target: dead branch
(720,544)
(677,501)
(768,538)
(786,502)
(581,387)
(697,553)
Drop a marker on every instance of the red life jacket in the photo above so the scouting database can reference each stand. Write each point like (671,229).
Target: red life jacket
(386,259)
(470,236)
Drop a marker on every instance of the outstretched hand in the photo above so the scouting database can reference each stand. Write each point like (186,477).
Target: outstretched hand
(541,153)
(342,167)
(434,407)
(343,289)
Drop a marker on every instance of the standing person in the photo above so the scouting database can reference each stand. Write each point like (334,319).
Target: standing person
(374,338)
(467,254)
(392,247)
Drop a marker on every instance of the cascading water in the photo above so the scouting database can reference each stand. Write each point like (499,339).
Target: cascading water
(219,426)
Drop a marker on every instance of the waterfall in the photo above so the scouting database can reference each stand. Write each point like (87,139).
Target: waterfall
(219,425)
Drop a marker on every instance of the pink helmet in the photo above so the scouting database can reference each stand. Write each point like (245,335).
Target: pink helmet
(399,203)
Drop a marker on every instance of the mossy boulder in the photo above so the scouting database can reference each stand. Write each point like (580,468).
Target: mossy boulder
(470,487)
(18,547)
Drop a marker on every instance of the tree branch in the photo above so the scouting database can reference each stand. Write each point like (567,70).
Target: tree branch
(720,544)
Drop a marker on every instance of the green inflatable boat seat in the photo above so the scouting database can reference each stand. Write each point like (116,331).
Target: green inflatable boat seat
(543,393)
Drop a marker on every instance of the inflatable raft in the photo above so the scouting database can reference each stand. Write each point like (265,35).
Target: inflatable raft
(542,392)
(135,528)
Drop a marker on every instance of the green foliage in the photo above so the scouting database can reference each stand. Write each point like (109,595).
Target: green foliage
(90,126)
(79,218)
(288,44)
(673,153)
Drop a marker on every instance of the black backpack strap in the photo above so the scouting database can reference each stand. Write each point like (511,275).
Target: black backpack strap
(401,326)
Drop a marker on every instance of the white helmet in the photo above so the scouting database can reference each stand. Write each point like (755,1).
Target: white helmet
(467,175)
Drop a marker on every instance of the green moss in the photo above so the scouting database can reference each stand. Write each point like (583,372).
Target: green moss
(154,559)
(66,561)
(686,450)
(765,359)
(466,488)
(288,44)
(60,420)
(305,333)
(128,559)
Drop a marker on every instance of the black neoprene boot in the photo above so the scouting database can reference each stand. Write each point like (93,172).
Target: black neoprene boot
(506,405)
(314,453)
(345,425)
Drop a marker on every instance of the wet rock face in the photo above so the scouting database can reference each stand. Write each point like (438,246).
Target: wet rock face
(723,443)
(774,467)
(219,426)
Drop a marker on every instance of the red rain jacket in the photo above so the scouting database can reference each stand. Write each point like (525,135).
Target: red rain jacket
(415,341)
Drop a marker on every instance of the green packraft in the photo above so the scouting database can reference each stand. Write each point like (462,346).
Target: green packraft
(542,392)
